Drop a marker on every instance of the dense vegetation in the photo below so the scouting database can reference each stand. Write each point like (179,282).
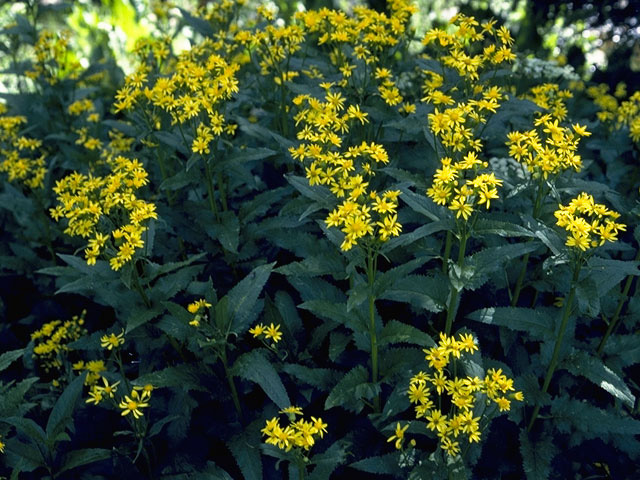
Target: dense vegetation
(319,247)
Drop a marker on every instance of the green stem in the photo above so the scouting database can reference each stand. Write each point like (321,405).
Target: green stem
(556,349)
(302,469)
(223,193)
(211,190)
(372,260)
(232,384)
(519,282)
(138,287)
(525,261)
(447,252)
(453,301)
(616,316)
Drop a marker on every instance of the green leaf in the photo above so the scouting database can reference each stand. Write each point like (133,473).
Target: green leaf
(492,259)
(227,232)
(536,457)
(247,456)
(572,415)
(421,204)
(8,358)
(154,270)
(198,24)
(84,456)
(419,233)
(344,394)
(581,363)
(317,193)
(62,412)
(30,428)
(328,263)
(244,295)
(246,155)
(607,273)
(398,332)
(336,313)
(139,316)
(184,377)
(624,347)
(326,462)
(422,292)
(172,140)
(538,323)
(320,378)
(13,402)
(381,465)
(156,428)
(357,296)
(504,229)
(386,279)
(255,367)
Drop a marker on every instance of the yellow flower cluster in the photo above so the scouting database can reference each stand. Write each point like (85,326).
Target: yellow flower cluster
(615,111)
(20,156)
(589,224)
(299,434)
(460,187)
(94,369)
(550,97)
(389,91)
(1,445)
(462,393)
(272,332)
(363,213)
(54,60)
(548,149)
(138,399)
(100,392)
(197,309)
(467,36)
(456,122)
(85,200)
(200,80)
(81,106)
(274,45)
(369,32)
(51,341)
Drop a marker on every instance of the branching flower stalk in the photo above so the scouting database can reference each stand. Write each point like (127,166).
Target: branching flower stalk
(589,225)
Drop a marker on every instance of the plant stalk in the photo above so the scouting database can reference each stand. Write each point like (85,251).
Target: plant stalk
(556,349)
(232,384)
(616,316)
(372,261)
(525,261)
(447,252)
(455,293)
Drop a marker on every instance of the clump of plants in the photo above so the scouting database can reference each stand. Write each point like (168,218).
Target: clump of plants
(419,242)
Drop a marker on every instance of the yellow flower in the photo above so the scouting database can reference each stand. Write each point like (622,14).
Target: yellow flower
(132,404)
(257,330)
(195,307)
(112,341)
(273,332)
(398,435)
(292,410)
(107,389)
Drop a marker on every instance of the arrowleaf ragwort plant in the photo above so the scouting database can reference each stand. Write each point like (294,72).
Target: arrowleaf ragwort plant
(319,208)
